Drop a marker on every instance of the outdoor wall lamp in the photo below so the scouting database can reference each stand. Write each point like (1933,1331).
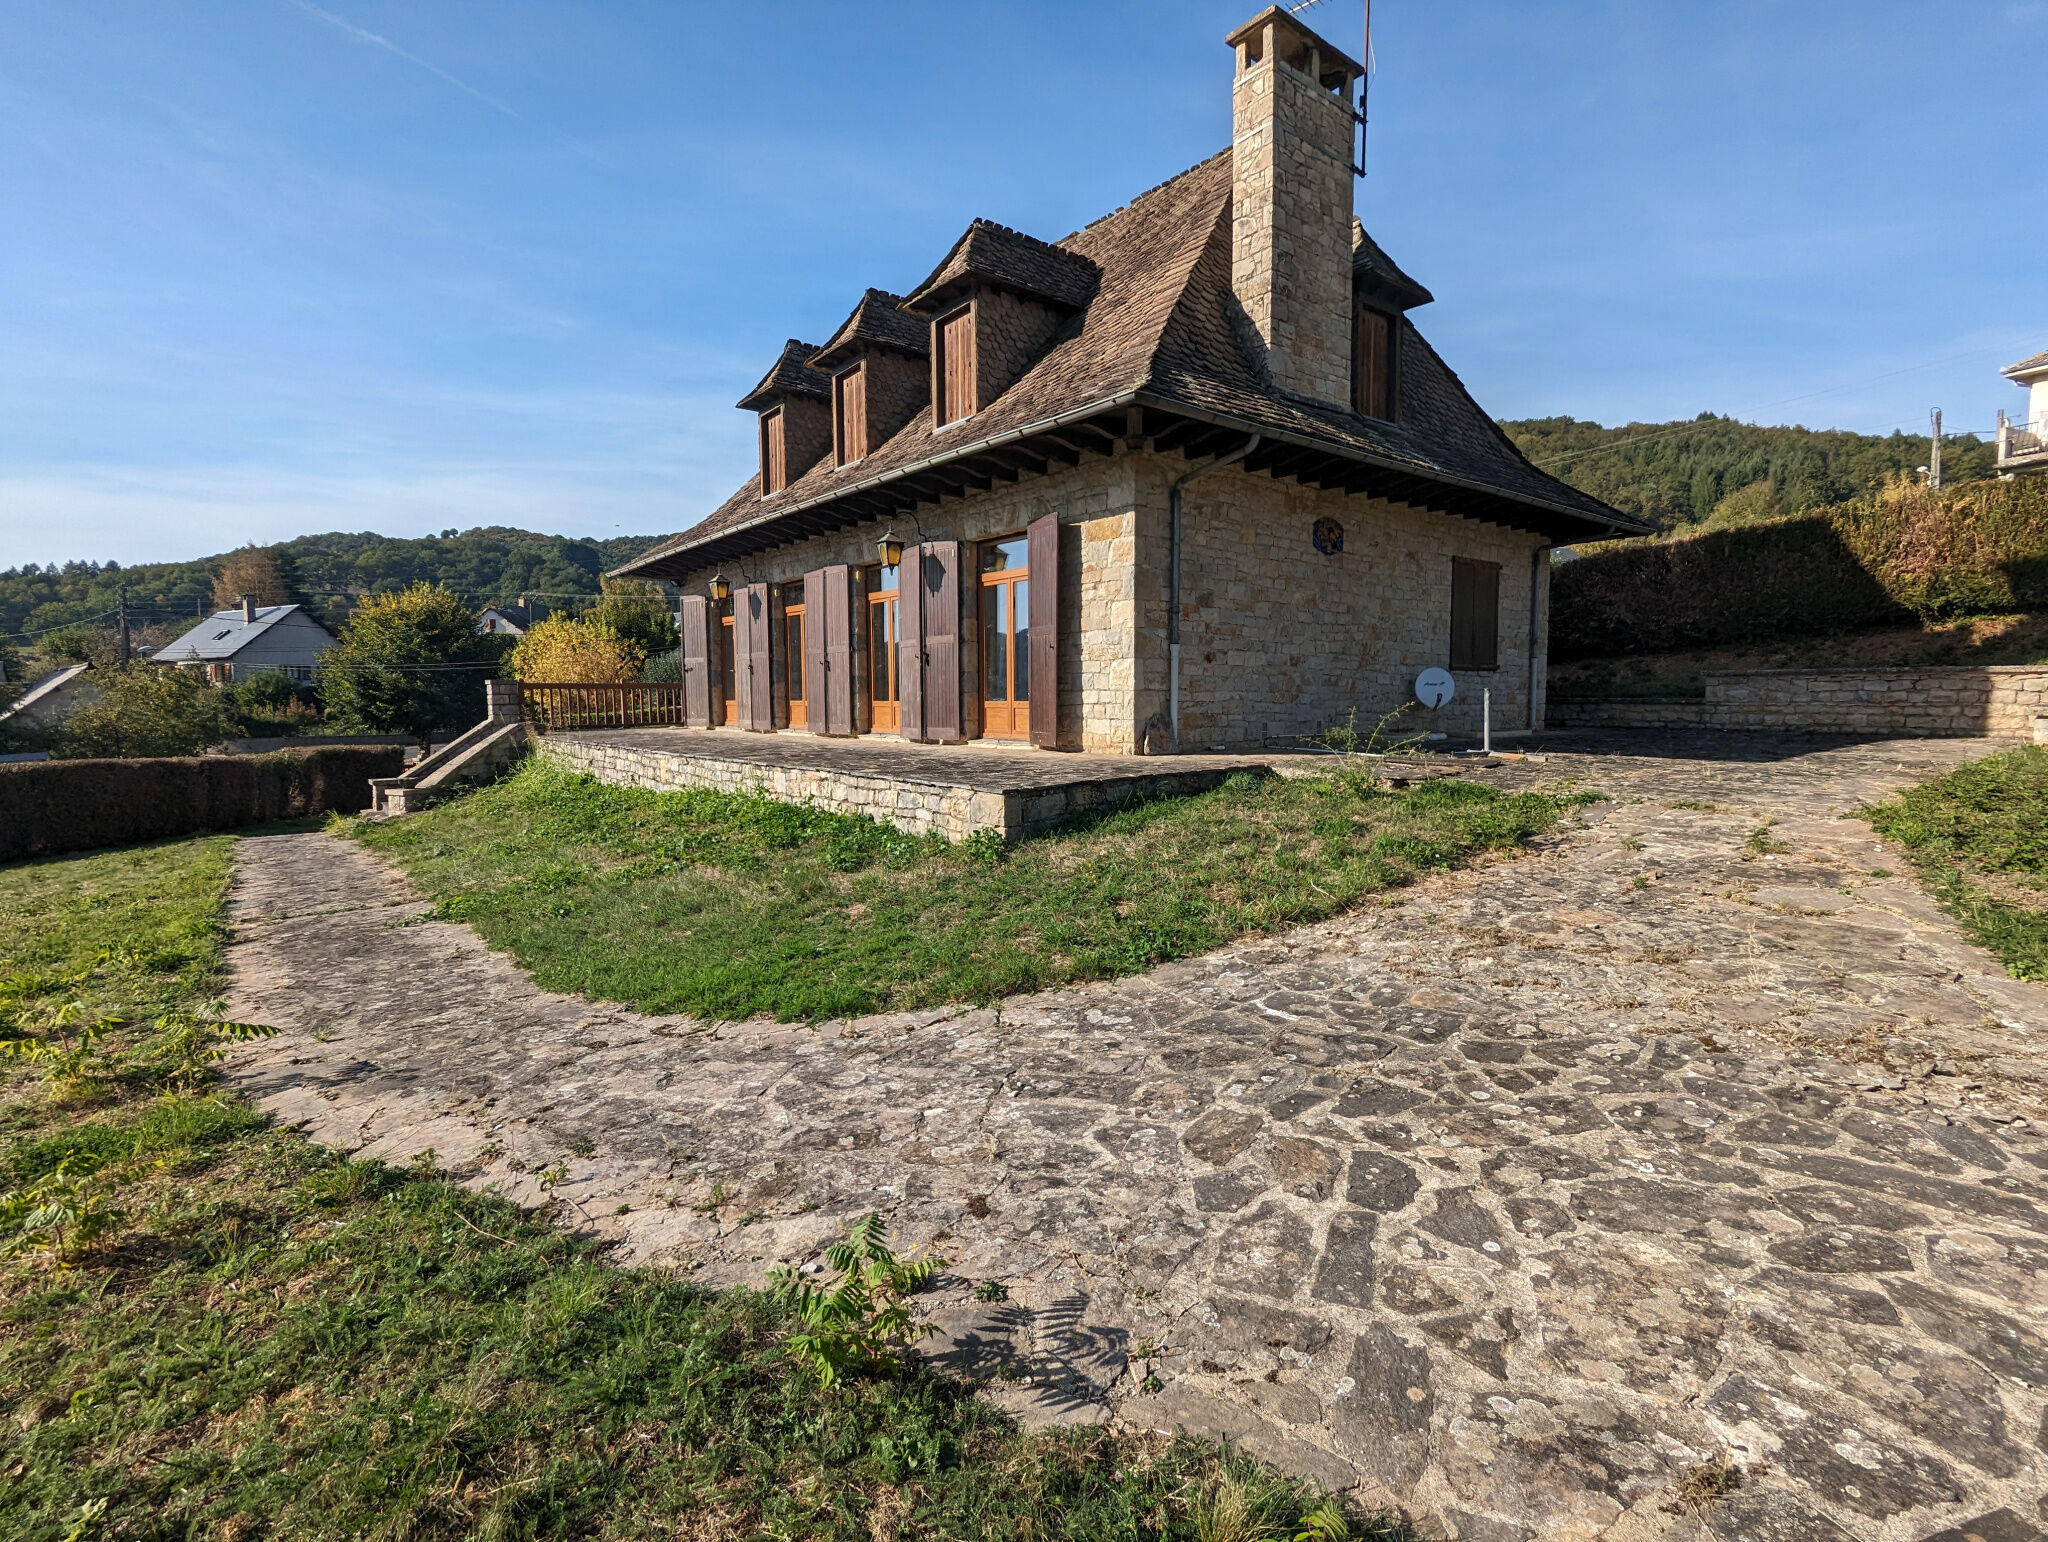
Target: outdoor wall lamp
(890,548)
(721,589)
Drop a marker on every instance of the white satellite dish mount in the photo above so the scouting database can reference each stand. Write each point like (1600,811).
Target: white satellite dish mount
(1434,687)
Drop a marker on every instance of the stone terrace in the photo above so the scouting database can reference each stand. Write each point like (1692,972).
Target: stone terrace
(1511,1201)
(950,790)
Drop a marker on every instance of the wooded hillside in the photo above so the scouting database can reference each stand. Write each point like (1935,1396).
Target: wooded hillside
(1716,470)
(485,566)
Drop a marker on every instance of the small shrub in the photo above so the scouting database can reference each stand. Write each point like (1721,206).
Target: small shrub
(859,1323)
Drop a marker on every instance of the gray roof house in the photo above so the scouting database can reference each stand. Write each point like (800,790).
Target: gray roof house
(511,620)
(1191,478)
(52,699)
(254,640)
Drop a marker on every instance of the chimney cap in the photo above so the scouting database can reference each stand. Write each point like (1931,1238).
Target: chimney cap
(1291,37)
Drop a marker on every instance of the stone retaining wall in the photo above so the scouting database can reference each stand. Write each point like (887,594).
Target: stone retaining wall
(1995,702)
(915,806)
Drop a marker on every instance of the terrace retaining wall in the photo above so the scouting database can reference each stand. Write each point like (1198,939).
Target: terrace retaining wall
(2002,701)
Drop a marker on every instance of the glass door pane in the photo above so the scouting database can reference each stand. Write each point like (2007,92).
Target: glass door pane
(1020,630)
(995,644)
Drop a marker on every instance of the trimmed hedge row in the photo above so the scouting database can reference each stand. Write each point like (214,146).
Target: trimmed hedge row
(1906,552)
(51,806)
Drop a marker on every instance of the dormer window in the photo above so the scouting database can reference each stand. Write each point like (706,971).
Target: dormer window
(953,366)
(1372,364)
(774,452)
(850,415)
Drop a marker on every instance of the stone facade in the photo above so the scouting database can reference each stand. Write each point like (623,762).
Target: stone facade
(1291,209)
(1998,702)
(1278,639)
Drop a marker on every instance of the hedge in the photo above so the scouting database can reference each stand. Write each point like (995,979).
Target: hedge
(1898,555)
(51,806)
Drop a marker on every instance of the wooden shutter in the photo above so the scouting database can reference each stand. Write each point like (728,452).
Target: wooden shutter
(1372,364)
(774,452)
(911,608)
(837,622)
(850,414)
(753,677)
(696,619)
(813,662)
(939,578)
(954,391)
(1475,614)
(1042,554)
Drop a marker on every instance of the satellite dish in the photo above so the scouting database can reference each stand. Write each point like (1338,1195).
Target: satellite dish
(1434,687)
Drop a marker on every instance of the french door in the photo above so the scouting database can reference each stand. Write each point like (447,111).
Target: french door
(884,634)
(793,665)
(728,668)
(1005,640)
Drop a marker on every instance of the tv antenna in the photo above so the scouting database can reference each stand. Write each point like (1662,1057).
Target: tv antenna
(1364,80)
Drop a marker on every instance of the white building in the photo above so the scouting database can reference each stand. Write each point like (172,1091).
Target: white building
(2023,445)
(257,639)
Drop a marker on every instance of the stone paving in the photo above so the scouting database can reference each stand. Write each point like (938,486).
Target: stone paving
(1511,1201)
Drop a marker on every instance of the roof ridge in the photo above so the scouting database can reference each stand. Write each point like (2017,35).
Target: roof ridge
(1141,197)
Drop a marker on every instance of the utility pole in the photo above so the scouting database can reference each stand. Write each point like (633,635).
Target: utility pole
(125,653)
(1934,455)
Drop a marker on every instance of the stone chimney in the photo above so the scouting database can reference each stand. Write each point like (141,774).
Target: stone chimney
(1291,149)
(248,611)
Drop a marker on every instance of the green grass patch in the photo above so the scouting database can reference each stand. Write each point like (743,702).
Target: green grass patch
(264,1339)
(1979,837)
(730,906)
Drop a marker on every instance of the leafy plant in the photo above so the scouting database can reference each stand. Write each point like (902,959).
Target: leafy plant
(991,1290)
(859,1322)
(985,848)
(1345,739)
(59,1213)
(63,1047)
(190,1042)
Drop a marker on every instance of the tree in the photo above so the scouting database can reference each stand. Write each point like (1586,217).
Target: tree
(561,651)
(410,663)
(145,709)
(636,611)
(267,576)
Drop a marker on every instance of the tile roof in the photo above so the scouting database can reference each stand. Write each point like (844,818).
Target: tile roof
(1158,333)
(1368,262)
(1000,255)
(877,321)
(221,636)
(2027,366)
(791,376)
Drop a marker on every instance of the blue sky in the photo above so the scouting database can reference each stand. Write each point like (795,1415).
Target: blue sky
(268,267)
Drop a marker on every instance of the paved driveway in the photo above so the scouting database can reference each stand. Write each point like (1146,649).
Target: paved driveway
(1510,1201)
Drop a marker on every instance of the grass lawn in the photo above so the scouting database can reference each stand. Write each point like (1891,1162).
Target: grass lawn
(212,1328)
(1979,837)
(727,907)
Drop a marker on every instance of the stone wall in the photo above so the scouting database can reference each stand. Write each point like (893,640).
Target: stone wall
(899,388)
(1279,640)
(1998,702)
(1011,333)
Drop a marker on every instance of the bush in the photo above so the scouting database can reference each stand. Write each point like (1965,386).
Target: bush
(145,710)
(1902,553)
(53,806)
(636,611)
(561,651)
(408,663)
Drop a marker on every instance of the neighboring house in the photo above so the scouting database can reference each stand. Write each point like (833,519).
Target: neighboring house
(52,699)
(1188,478)
(511,620)
(254,640)
(2023,446)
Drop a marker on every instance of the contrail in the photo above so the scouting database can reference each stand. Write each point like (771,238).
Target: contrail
(364,35)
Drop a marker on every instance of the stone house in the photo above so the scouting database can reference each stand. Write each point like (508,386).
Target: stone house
(1187,479)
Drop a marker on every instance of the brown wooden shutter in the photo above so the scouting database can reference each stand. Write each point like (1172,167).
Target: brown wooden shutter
(774,452)
(696,627)
(850,414)
(1042,554)
(911,608)
(939,578)
(838,641)
(1372,364)
(1475,614)
(955,363)
(753,678)
(813,662)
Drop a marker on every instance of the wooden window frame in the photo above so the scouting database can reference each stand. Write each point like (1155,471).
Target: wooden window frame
(940,414)
(1387,378)
(774,451)
(1475,647)
(849,438)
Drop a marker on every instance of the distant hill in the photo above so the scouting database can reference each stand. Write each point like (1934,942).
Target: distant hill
(485,566)
(1675,474)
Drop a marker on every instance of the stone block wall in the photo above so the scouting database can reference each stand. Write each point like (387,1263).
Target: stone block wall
(1997,702)
(1279,640)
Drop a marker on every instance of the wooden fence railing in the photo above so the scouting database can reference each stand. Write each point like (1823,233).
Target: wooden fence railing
(630,704)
